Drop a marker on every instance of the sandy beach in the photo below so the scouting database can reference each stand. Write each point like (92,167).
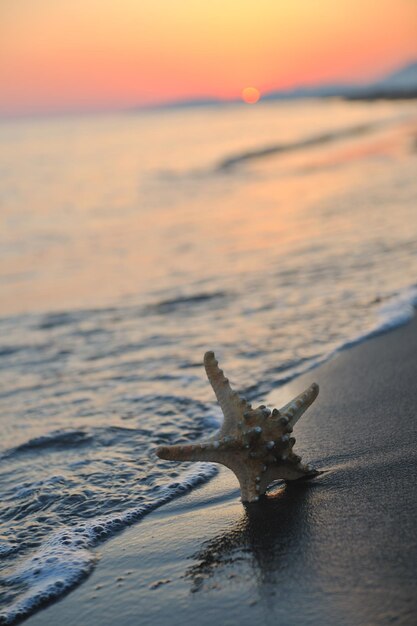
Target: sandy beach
(340,549)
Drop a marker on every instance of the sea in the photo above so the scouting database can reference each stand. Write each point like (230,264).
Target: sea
(276,235)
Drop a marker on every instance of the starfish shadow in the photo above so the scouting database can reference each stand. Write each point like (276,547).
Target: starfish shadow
(261,546)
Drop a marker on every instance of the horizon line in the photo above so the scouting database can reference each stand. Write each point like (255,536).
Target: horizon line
(303,90)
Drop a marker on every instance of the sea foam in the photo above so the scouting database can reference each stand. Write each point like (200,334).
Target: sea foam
(66,556)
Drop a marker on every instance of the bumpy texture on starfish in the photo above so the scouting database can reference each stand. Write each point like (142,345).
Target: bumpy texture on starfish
(254,443)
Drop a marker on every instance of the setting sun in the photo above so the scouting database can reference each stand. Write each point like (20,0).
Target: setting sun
(250,95)
(60,57)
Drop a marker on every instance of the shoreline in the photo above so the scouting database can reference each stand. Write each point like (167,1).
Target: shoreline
(338,549)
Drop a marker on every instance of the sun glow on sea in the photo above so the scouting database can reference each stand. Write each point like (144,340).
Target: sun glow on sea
(250,95)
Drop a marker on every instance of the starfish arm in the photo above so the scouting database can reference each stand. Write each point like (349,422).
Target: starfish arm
(231,404)
(253,443)
(294,409)
(227,453)
(206,451)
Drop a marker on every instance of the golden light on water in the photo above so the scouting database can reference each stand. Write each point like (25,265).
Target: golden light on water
(250,95)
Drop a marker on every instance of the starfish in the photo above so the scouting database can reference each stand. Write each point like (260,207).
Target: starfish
(254,443)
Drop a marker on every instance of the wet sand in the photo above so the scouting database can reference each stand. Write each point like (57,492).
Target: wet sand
(341,549)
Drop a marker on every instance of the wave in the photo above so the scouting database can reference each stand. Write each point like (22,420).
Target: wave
(171,305)
(393,312)
(309,142)
(65,558)
(56,438)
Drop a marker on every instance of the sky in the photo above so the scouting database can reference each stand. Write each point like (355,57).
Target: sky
(102,54)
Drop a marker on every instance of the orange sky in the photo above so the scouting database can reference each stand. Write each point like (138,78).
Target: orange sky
(59,54)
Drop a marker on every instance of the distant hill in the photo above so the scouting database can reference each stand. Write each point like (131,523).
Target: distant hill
(404,78)
(399,84)
(326,90)
(178,104)
(185,104)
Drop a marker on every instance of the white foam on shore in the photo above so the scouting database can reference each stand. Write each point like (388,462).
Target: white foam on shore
(65,558)
(395,311)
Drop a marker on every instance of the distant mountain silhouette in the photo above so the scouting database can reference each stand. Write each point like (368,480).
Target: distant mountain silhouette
(178,104)
(399,84)
(404,78)
(185,104)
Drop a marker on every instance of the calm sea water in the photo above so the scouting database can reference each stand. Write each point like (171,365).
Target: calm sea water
(131,244)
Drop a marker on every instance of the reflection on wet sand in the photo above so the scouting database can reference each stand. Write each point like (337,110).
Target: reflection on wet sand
(267,538)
